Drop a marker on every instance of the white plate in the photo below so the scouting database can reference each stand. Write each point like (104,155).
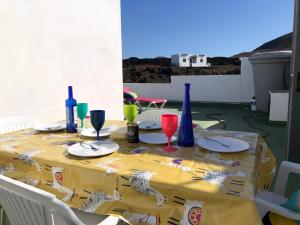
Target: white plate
(149,125)
(84,149)
(234,145)
(155,138)
(92,133)
(48,127)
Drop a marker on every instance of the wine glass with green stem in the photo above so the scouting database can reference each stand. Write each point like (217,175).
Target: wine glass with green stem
(82,110)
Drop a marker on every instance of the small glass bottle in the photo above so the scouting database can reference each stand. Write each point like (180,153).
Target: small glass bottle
(132,132)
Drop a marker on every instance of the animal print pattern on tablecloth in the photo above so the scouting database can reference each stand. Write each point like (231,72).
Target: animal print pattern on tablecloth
(96,199)
(139,182)
(216,157)
(7,168)
(57,183)
(26,157)
(217,177)
(31,182)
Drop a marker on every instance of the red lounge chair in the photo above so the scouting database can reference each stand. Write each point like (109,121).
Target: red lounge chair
(131,96)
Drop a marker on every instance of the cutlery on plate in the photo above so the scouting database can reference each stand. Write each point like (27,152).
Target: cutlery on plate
(150,125)
(53,128)
(88,146)
(210,139)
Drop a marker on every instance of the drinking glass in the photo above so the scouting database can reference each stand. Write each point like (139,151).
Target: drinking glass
(130,112)
(82,109)
(169,124)
(97,120)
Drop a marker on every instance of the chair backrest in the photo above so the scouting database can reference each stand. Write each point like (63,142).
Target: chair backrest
(155,115)
(283,174)
(27,205)
(10,124)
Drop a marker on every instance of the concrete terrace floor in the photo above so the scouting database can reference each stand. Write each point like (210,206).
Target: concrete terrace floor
(233,117)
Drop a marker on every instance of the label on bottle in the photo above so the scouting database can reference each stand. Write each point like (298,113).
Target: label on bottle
(132,133)
(75,117)
(68,121)
(71,126)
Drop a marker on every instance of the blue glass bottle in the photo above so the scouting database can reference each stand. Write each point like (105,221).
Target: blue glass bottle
(70,105)
(186,133)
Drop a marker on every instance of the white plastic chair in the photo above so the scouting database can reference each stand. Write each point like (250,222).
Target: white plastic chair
(271,201)
(155,115)
(27,205)
(10,124)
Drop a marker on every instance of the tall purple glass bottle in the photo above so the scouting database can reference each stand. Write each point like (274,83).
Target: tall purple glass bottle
(186,133)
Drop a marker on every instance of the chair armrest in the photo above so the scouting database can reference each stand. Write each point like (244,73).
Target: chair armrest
(275,208)
(282,177)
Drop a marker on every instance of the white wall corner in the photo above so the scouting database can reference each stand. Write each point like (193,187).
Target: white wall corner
(47,45)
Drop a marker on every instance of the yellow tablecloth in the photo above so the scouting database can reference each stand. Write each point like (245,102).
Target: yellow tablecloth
(142,183)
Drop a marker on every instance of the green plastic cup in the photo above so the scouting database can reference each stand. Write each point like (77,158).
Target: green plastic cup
(82,110)
(130,112)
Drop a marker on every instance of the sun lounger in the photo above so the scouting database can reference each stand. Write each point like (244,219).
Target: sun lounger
(130,96)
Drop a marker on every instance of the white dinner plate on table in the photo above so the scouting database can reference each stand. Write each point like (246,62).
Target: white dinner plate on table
(223,144)
(155,138)
(93,148)
(149,125)
(92,133)
(48,127)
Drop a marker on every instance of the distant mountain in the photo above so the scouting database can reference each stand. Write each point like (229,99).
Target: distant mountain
(159,61)
(281,43)
(159,69)
(242,54)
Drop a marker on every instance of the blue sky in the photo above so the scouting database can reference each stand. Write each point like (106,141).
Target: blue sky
(152,28)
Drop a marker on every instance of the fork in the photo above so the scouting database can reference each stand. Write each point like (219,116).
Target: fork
(224,145)
(89,146)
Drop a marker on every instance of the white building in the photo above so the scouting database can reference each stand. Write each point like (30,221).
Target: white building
(189,60)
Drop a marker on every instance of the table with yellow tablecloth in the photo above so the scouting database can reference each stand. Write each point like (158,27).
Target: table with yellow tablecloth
(143,184)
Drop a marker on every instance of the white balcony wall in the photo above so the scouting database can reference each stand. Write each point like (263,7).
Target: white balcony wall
(207,88)
(47,45)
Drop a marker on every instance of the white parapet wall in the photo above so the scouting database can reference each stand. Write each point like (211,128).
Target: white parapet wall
(46,45)
(237,88)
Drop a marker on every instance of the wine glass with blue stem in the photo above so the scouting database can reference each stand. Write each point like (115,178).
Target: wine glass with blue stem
(97,120)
